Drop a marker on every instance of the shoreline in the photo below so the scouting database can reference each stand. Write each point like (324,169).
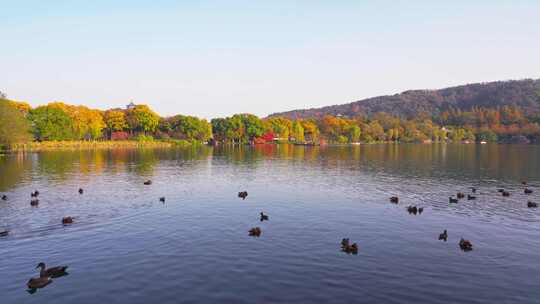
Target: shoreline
(132,144)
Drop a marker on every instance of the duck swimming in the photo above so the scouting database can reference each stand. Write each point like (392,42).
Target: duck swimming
(40,282)
(527,191)
(443,236)
(394,199)
(67,220)
(473,189)
(349,248)
(4,197)
(465,245)
(505,193)
(34,194)
(242,195)
(460,195)
(148,182)
(471,197)
(162,199)
(412,209)
(255,231)
(34,202)
(532,205)
(264,217)
(81,191)
(4,233)
(453,200)
(52,272)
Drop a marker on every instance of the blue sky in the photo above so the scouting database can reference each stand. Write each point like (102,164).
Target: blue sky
(216,58)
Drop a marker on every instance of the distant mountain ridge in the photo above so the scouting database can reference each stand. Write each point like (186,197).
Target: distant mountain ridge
(523,93)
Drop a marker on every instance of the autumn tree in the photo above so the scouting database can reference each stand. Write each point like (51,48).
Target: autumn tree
(141,118)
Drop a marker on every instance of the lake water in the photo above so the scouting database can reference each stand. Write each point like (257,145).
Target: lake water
(127,247)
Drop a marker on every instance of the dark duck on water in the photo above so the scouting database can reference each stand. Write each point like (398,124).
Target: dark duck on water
(349,248)
(242,195)
(255,231)
(52,272)
(465,245)
(443,236)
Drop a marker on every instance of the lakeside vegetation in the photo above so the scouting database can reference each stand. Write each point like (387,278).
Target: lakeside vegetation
(60,125)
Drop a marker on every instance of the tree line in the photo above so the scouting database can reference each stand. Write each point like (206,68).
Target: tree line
(57,121)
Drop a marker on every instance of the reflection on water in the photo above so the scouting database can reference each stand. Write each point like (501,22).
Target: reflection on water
(126,246)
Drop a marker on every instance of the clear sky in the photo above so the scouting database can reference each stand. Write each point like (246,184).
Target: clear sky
(216,58)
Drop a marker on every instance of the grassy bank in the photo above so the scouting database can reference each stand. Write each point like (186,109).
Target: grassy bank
(88,145)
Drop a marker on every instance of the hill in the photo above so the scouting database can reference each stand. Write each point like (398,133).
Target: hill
(522,93)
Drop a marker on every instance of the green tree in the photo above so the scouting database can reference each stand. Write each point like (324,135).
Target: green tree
(51,123)
(298,131)
(115,120)
(253,126)
(14,127)
(143,119)
(354,133)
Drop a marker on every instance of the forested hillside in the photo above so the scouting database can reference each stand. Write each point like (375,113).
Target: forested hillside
(524,94)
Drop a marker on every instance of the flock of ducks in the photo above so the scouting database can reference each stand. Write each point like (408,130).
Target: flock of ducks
(46,274)
(255,231)
(464,244)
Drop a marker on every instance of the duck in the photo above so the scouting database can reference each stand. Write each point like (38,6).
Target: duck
(500,190)
(264,217)
(34,202)
(148,182)
(162,199)
(40,282)
(532,204)
(470,197)
(443,236)
(465,245)
(394,199)
(524,182)
(344,243)
(453,200)
(67,220)
(81,191)
(242,195)
(505,193)
(52,272)
(527,191)
(4,197)
(4,233)
(255,231)
(420,210)
(34,194)
(353,248)
(412,209)
(460,195)
(473,189)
